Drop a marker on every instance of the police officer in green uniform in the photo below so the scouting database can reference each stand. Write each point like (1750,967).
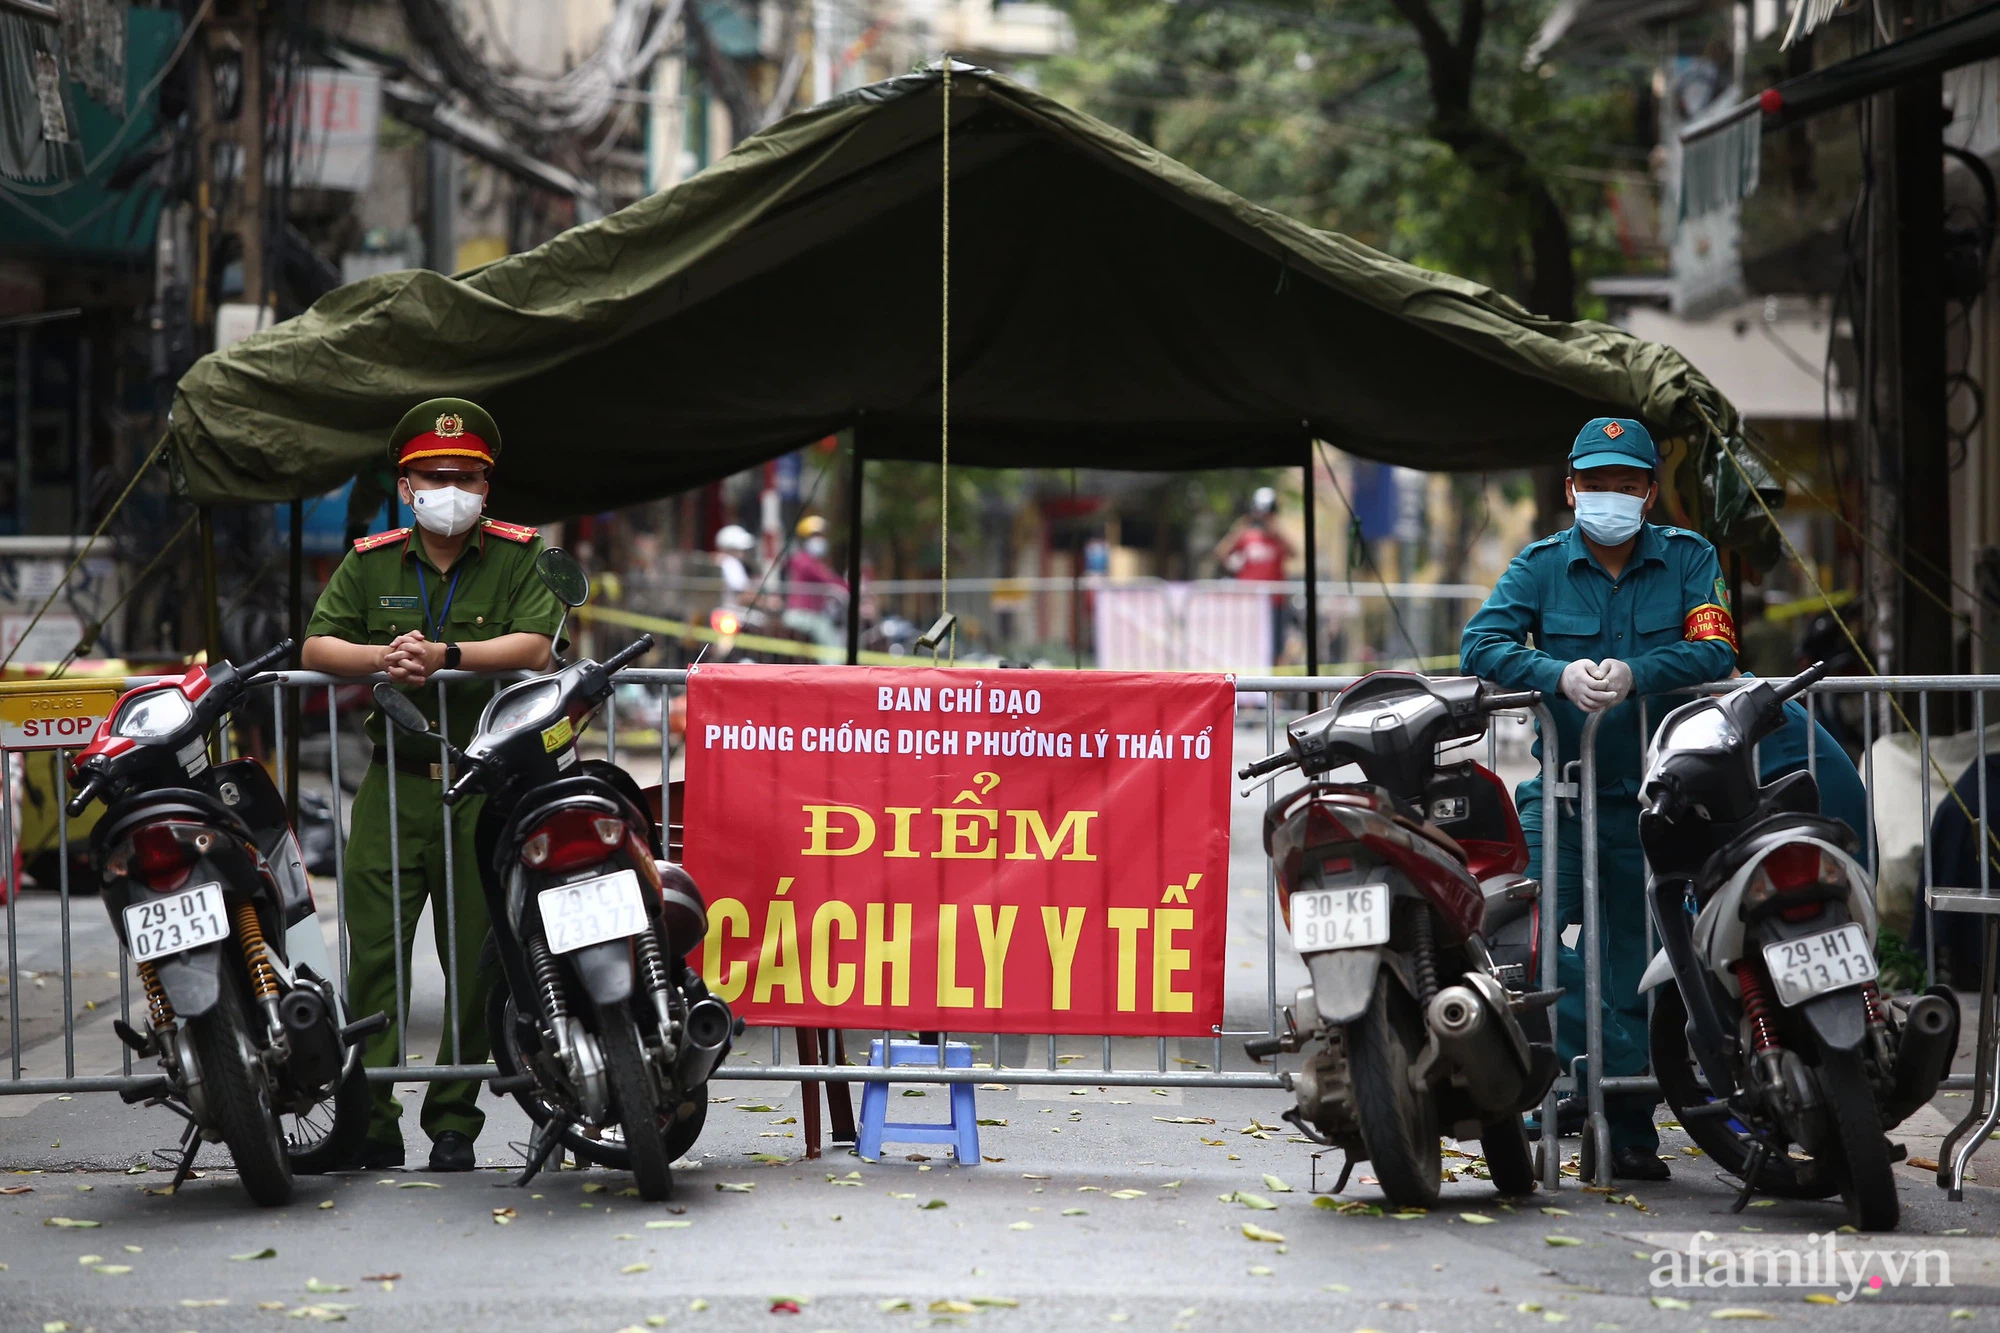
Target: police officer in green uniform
(457,592)
(1616,607)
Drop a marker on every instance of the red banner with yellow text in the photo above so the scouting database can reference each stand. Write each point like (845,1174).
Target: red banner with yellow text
(974,851)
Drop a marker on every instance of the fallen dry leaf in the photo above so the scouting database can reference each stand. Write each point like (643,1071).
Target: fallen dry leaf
(1251,1231)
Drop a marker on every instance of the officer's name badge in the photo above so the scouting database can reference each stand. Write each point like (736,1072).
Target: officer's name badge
(399,603)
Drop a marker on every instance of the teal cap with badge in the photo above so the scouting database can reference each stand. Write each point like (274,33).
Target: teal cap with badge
(1613,442)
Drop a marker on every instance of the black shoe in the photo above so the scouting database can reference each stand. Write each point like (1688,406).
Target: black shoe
(376,1156)
(1638,1164)
(452,1151)
(1570,1115)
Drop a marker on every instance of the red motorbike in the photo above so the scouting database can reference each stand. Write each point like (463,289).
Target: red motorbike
(1388,885)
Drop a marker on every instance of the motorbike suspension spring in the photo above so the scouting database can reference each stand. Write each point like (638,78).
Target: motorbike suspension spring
(554,1006)
(1756,1005)
(1426,959)
(157,1003)
(1871,1002)
(652,966)
(256,954)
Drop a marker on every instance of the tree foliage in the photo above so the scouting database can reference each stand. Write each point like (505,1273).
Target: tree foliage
(1409,126)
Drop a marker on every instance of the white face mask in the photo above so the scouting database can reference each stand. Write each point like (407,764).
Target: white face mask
(448,510)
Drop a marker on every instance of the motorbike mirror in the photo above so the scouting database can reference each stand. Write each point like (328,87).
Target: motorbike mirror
(396,706)
(564,576)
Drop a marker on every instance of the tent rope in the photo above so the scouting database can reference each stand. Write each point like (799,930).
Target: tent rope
(944,381)
(81,555)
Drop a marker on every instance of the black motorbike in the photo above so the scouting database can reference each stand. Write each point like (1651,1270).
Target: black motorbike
(600,1028)
(203,879)
(1774,1046)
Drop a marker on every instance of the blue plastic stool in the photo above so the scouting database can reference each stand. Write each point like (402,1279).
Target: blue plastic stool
(961,1131)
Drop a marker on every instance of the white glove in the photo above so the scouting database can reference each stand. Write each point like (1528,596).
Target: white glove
(1616,677)
(1582,686)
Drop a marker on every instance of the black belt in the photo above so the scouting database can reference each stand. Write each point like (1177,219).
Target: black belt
(413,765)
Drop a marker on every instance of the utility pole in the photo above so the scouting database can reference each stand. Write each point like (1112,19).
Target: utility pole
(1903,412)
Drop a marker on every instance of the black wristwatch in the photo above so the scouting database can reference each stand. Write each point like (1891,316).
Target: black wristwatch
(451,656)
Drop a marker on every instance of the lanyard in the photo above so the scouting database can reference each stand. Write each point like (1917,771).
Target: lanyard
(451,590)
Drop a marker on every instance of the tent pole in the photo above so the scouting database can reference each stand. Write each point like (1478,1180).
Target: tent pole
(1312,568)
(295,630)
(856,471)
(211,615)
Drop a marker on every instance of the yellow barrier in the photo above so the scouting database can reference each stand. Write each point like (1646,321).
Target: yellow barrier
(759,643)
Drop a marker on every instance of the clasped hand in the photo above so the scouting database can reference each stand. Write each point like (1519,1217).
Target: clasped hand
(411,658)
(1596,686)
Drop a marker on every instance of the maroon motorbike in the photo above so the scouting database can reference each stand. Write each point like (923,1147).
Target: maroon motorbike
(1389,886)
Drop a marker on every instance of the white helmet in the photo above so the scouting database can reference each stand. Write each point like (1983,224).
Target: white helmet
(1264,501)
(734,538)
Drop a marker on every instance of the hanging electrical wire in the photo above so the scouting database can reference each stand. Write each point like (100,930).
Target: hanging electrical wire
(574,102)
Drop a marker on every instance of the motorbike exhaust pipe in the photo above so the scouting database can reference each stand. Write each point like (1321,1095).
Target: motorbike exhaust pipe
(317,1053)
(1929,1035)
(704,1041)
(1475,1049)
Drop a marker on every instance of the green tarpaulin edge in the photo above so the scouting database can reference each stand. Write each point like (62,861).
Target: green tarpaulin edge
(297,409)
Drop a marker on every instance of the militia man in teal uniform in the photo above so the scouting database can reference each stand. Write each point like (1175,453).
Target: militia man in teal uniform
(1597,617)
(457,592)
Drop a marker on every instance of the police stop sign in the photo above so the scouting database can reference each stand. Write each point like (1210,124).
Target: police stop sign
(53,717)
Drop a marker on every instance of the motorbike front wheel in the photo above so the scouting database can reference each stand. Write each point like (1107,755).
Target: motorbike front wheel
(636,1100)
(1398,1124)
(1867,1179)
(240,1100)
(1723,1138)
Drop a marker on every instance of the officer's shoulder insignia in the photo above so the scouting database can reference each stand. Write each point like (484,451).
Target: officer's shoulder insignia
(380,539)
(1551,540)
(513,532)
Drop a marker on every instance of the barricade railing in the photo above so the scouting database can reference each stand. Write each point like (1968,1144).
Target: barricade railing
(1056,1066)
(1878,696)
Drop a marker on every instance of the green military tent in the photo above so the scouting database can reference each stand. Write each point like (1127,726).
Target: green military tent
(1108,308)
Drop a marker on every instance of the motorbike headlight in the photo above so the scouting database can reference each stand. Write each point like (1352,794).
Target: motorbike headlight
(155,713)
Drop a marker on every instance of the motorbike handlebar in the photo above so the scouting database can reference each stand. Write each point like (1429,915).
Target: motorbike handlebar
(1494,703)
(629,654)
(1268,764)
(461,786)
(277,653)
(81,801)
(1804,681)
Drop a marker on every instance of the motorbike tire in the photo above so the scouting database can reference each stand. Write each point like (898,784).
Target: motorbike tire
(1729,1149)
(241,1102)
(1510,1162)
(681,1134)
(1867,1178)
(1398,1125)
(335,1148)
(637,1102)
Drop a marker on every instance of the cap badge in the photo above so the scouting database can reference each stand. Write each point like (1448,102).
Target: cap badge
(450,425)
(1612,430)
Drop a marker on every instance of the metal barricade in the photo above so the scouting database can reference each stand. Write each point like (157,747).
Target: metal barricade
(1055,1061)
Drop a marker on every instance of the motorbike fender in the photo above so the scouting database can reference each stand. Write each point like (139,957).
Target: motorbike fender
(192,980)
(1344,980)
(1719,932)
(1838,1019)
(1658,972)
(605,970)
